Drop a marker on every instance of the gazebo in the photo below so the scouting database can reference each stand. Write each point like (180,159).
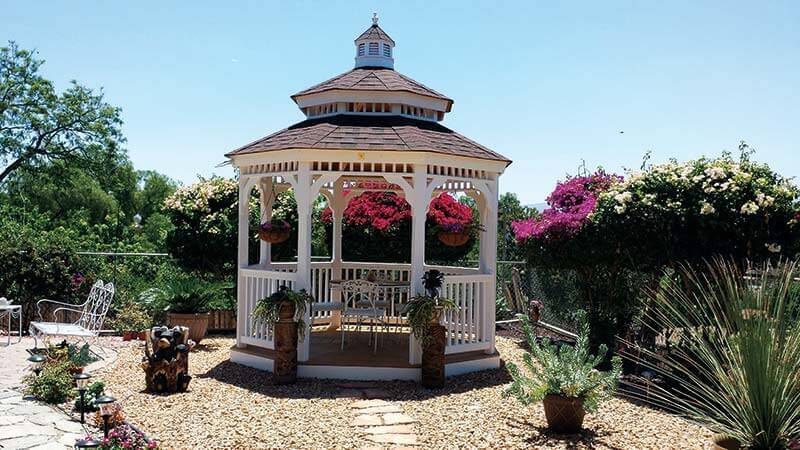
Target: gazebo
(369,129)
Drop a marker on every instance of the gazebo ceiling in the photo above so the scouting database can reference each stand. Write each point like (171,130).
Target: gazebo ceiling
(365,133)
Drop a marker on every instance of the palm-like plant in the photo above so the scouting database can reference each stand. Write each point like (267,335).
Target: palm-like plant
(736,363)
(567,371)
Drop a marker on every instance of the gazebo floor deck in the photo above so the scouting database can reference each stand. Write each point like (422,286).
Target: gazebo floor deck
(326,349)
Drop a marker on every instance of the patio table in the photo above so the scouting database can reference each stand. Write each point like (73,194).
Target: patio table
(12,311)
(388,290)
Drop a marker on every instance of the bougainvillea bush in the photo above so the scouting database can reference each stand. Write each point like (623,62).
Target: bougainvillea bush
(616,235)
(377,227)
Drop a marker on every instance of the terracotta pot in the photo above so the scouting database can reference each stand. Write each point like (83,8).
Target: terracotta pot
(286,311)
(197,324)
(564,414)
(75,370)
(142,335)
(127,335)
(453,238)
(274,236)
(723,442)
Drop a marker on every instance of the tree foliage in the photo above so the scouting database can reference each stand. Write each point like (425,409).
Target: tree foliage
(38,124)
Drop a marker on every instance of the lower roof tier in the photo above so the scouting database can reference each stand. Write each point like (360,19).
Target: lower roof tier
(385,133)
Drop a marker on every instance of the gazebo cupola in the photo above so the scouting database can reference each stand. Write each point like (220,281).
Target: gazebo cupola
(368,129)
(374,47)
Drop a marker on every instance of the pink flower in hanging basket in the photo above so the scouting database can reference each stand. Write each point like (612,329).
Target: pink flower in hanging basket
(275,225)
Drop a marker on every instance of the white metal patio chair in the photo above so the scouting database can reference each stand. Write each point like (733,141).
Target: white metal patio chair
(355,292)
(92,314)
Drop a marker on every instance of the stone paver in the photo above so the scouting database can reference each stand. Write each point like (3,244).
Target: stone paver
(381,421)
(27,424)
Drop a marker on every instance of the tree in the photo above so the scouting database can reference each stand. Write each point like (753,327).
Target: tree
(509,210)
(37,124)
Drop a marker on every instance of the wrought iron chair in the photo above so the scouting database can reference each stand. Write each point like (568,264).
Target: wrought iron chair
(355,293)
(92,314)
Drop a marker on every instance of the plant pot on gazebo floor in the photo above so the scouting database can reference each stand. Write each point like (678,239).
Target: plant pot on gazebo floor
(197,324)
(564,414)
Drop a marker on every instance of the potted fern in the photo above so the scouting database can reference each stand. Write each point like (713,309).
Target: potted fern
(284,304)
(563,378)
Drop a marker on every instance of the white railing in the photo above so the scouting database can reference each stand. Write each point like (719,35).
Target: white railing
(255,284)
(469,328)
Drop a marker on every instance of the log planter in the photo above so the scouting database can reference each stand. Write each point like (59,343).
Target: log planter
(433,354)
(285,369)
(564,414)
(453,238)
(196,323)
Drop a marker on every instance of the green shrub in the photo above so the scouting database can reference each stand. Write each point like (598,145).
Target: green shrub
(93,391)
(566,370)
(54,384)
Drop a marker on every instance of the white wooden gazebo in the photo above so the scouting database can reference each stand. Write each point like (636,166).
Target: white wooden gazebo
(369,129)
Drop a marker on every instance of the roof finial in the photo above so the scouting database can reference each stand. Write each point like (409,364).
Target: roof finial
(374,18)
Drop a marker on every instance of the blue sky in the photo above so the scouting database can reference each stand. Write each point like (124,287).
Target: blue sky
(548,84)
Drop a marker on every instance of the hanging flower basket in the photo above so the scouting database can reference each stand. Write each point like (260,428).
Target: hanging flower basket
(274,231)
(453,238)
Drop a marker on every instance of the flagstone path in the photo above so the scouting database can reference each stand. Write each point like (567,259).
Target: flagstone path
(26,423)
(382,422)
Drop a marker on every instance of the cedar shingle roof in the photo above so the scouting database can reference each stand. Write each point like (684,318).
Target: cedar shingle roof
(373,79)
(375,33)
(363,133)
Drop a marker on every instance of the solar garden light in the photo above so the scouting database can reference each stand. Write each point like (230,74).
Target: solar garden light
(106,404)
(81,382)
(87,443)
(37,361)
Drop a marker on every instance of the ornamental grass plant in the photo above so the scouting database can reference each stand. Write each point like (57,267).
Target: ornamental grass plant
(734,366)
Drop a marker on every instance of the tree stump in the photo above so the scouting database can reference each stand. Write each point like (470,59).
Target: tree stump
(285,369)
(166,369)
(433,358)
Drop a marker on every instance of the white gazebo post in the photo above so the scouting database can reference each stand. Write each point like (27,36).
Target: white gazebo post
(266,190)
(245,185)
(487,204)
(338,204)
(302,192)
(418,198)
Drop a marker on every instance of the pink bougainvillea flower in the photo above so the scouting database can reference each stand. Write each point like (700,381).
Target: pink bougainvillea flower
(570,205)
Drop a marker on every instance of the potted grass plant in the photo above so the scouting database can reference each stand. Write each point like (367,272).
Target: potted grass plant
(187,302)
(735,368)
(564,378)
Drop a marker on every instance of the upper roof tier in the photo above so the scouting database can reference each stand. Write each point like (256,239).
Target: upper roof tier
(373,86)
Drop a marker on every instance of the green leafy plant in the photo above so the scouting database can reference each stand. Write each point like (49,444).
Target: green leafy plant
(267,308)
(71,353)
(131,316)
(184,295)
(736,368)
(93,391)
(421,310)
(568,371)
(54,384)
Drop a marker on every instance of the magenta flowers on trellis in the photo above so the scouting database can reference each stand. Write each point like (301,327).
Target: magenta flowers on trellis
(571,203)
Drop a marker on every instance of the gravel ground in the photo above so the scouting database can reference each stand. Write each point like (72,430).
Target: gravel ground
(232,406)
